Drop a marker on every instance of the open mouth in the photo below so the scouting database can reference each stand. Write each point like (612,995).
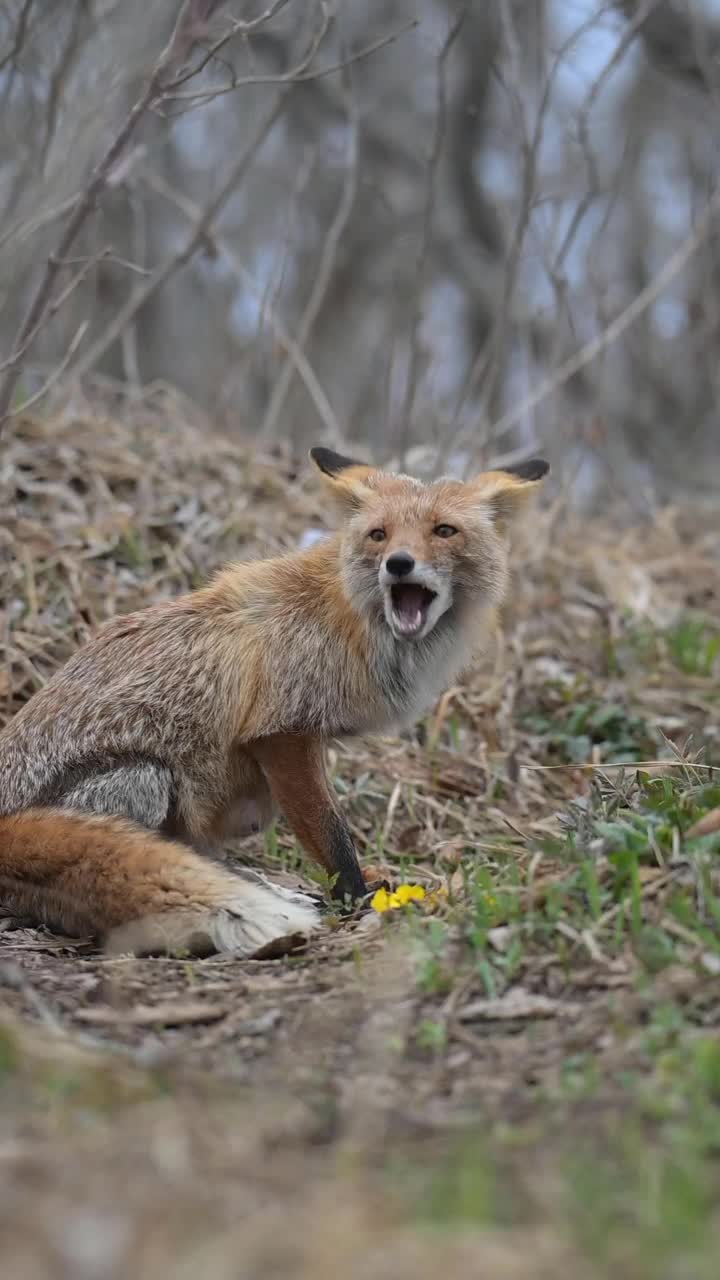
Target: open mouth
(410,604)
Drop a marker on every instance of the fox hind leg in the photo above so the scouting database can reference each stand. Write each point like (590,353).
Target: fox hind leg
(251,810)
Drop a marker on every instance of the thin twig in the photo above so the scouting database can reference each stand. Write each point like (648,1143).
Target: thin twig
(56,373)
(20,33)
(58,77)
(296,72)
(299,74)
(319,290)
(57,302)
(591,98)
(237,27)
(627,764)
(26,227)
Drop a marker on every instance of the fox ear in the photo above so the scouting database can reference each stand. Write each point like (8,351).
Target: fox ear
(506,492)
(343,477)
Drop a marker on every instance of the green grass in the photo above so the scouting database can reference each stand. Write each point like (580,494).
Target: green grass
(691,645)
(694,645)
(592,729)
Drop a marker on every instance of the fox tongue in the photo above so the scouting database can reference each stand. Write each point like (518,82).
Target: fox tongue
(408,606)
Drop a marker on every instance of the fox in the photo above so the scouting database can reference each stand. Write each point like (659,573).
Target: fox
(198,719)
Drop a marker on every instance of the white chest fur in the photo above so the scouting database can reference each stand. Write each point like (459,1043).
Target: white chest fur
(412,676)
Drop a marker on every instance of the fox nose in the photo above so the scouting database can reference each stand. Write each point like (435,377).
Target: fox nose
(399,564)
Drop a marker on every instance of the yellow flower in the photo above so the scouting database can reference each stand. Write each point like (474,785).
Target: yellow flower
(380,900)
(408,893)
(405,893)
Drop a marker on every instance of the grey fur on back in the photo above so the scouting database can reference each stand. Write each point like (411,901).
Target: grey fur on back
(142,792)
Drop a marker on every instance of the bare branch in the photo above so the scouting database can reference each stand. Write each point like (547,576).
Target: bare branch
(191,25)
(591,98)
(177,48)
(57,372)
(57,302)
(237,27)
(26,227)
(59,75)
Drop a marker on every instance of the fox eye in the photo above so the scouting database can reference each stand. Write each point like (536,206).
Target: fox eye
(377,535)
(444,531)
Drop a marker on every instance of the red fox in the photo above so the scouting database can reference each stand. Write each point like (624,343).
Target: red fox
(192,720)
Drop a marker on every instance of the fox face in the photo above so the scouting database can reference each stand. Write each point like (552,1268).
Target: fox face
(414,553)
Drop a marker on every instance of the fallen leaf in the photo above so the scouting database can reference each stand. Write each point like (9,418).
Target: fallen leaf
(284,946)
(174,1014)
(262,1024)
(501,936)
(377,873)
(517,1003)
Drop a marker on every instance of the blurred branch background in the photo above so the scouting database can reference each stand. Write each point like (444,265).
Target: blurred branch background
(437,231)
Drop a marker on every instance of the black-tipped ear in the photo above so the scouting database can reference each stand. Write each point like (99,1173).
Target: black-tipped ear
(506,490)
(343,478)
(331,463)
(533,469)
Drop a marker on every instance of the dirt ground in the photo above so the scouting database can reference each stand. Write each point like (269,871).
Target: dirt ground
(518,1078)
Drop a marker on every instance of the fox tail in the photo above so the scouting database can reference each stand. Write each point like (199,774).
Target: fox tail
(86,874)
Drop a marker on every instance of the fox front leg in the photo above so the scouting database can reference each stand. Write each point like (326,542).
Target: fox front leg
(294,766)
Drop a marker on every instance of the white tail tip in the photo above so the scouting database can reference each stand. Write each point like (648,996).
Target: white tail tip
(244,923)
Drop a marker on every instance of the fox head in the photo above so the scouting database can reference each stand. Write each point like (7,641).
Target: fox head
(415,553)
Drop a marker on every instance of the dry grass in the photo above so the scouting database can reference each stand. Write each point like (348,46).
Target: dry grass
(301,1117)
